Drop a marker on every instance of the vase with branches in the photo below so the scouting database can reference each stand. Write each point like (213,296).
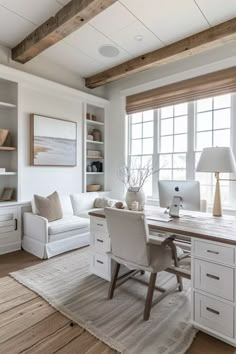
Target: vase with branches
(134,178)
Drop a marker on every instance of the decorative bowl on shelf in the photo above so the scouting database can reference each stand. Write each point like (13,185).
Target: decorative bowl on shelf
(93,187)
(3,136)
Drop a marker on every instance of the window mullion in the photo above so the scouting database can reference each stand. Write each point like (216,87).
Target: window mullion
(190,155)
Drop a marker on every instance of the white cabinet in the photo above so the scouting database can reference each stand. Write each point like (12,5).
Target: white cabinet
(10,229)
(213,289)
(100,260)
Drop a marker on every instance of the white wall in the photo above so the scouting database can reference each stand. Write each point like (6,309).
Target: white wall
(44,180)
(201,64)
(43,67)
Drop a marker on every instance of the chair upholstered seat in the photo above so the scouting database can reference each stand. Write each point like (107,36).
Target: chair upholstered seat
(67,223)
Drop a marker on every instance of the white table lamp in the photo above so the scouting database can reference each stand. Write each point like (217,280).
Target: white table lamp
(217,159)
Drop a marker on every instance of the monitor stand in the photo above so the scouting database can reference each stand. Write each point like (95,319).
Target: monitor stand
(175,207)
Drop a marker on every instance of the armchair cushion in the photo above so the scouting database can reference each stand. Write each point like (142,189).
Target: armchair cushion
(68,223)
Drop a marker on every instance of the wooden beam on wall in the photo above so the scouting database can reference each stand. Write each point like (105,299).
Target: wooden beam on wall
(67,20)
(197,43)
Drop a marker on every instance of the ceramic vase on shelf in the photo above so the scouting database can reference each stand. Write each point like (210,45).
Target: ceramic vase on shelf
(133,195)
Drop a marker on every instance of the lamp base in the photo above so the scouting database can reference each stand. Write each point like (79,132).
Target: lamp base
(217,208)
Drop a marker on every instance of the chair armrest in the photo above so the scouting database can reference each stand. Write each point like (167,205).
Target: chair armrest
(36,227)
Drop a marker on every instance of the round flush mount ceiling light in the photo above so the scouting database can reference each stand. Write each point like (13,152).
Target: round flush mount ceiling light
(109,51)
(138,38)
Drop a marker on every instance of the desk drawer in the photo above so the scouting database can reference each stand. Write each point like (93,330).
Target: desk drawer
(101,240)
(214,252)
(214,279)
(100,265)
(98,224)
(214,314)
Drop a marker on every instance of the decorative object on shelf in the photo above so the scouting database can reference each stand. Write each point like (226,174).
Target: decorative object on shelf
(97,135)
(93,187)
(89,168)
(3,136)
(134,206)
(90,137)
(217,159)
(94,117)
(119,205)
(53,141)
(99,166)
(2,170)
(88,116)
(7,194)
(134,179)
(94,153)
(94,168)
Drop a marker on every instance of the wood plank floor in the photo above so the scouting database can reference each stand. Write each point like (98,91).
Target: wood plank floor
(28,324)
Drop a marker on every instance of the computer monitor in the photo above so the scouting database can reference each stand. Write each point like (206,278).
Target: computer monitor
(189,191)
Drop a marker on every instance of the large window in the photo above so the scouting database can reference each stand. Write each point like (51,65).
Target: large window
(173,138)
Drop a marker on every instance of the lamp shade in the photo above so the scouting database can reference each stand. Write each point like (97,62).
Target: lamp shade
(216,159)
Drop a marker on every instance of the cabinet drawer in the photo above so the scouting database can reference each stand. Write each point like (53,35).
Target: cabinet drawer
(100,264)
(214,252)
(98,224)
(214,279)
(214,314)
(101,241)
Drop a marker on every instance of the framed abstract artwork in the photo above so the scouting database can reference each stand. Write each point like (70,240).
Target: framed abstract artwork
(53,141)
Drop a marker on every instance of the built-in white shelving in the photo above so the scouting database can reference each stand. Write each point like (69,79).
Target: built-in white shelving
(7,105)
(8,173)
(98,177)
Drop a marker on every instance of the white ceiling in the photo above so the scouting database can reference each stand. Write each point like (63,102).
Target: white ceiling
(159,22)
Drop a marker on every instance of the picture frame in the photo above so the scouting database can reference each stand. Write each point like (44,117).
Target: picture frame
(7,194)
(53,141)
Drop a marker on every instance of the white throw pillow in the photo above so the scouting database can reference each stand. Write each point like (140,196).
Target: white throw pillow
(103,202)
(66,205)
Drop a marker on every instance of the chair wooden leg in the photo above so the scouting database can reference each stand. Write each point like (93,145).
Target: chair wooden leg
(148,302)
(176,263)
(114,280)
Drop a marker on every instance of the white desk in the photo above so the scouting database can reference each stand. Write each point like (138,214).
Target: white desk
(213,265)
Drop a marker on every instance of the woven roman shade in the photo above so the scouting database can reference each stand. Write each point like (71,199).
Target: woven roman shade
(214,84)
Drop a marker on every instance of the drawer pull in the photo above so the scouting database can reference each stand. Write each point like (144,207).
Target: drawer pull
(16,224)
(100,262)
(212,276)
(214,252)
(100,240)
(99,224)
(212,310)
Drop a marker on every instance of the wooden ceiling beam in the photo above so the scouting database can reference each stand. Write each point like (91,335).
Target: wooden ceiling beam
(197,43)
(67,20)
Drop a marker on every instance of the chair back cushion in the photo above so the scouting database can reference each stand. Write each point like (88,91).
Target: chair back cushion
(128,232)
(83,201)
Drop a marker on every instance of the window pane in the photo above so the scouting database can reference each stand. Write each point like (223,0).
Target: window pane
(180,143)
(136,148)
(136,118)
(179,174)
(167,112)
(148,146)
(222,137)
(204,121)
(204,140)
(136,131)
(222,101)
(204,105)
(181,125)
(148,129)
(166,144)
(165,174)
(167,126)
(181,109)
(146,161)
(222,119)
(135,162)
(204,178)
(148,187)
(207,193)
(179,161)
(148,115)
(225,197)
(165,161)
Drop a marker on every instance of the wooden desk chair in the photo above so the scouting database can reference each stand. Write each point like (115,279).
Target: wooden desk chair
(129,243)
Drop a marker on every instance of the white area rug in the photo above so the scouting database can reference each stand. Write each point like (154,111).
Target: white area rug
(66,283)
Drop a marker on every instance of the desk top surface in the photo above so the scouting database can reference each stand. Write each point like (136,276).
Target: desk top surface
(193,224)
